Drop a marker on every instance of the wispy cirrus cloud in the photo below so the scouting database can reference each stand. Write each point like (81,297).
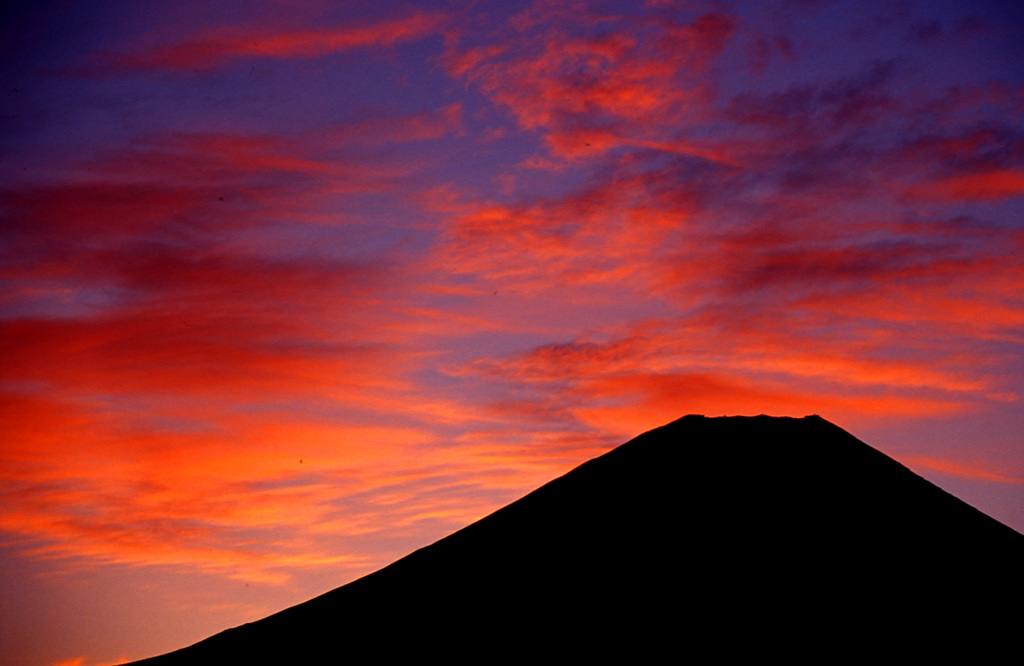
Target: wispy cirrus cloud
(960,469)
(228,43)
(988,185)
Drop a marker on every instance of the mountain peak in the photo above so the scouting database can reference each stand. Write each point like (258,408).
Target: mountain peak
(704,530)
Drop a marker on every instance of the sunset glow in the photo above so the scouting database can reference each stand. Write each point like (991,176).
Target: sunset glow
(290,289)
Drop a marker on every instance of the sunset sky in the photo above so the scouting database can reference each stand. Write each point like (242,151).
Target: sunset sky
(289,289)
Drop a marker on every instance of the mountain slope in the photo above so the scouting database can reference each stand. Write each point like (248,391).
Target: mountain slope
(741,535)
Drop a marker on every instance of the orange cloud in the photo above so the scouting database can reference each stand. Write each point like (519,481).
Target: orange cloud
(639,401)
(155,336)
(145,492)
(958,468)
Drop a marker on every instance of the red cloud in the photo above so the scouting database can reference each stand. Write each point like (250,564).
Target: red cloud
(591,93)
(419,127)
(989,185)
(633,384)
(147,312)
(231,43)
(606,236)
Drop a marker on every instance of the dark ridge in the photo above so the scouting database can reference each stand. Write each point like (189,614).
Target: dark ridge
(729,537)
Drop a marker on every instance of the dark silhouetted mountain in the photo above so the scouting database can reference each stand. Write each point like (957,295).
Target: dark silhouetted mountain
(708,538)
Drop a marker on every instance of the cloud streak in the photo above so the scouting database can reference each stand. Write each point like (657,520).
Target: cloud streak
(226,44)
